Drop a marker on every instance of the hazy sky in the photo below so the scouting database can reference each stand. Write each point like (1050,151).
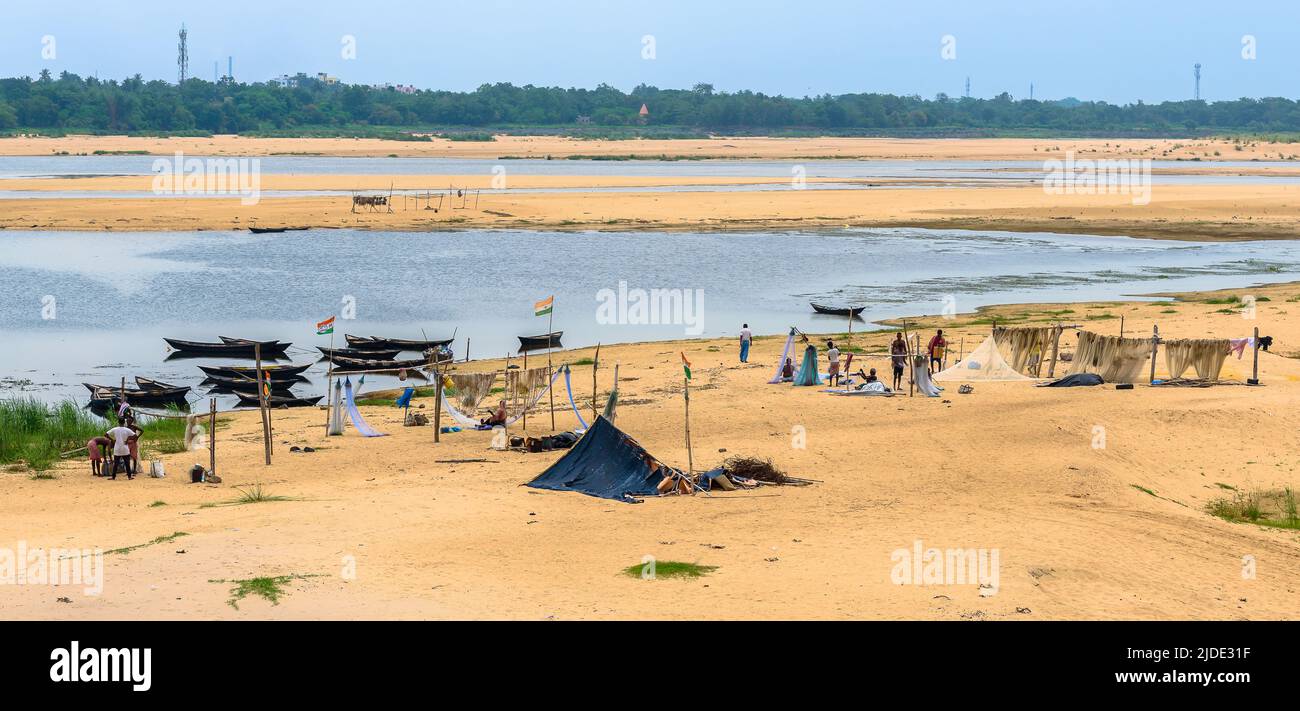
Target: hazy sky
(1116,51)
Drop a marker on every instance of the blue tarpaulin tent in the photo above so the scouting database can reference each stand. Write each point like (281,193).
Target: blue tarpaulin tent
(605,463)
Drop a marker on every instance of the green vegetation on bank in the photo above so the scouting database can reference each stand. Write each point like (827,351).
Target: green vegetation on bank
(36,433)
(69,103)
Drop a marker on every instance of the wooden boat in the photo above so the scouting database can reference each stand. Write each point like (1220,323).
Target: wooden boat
(230,383)
(838,310)
(274,230)
(364,353)
(274,372)
(223,348)
(150,384)
(545,340)
(160,397)
(248,398)
(398,343)
(342,363)
(437,356)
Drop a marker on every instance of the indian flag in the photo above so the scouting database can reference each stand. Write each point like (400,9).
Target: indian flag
(543,307)
(686,366)
(326,327)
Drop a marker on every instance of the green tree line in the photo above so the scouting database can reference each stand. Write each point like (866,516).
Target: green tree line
(73,103)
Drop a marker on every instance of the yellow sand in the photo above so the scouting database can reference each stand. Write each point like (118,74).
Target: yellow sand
(1008,467)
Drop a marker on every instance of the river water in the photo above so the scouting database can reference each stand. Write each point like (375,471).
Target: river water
(94,307)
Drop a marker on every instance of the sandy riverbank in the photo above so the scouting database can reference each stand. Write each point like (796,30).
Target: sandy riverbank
(1194,212)
(1082,533)
(978,149)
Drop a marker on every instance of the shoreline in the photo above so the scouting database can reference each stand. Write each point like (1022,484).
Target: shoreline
(449,533)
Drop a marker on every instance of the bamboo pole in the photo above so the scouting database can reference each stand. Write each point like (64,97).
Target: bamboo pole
(1254,380)
(614,389)
(550,391)
(1155,344)
(1121,325)
(911,362)
(507,392)
(690,459)
(437,398)
(212,436)
(329,379)
(526,403)
(466,350)
(261,402)
(1056,349)
(595,363)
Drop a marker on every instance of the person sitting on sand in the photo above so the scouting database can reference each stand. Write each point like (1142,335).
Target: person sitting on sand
(498,416)
(787,370)
(121,436)
(868,377)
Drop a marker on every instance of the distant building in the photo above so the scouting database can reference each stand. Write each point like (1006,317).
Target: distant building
(326,79)
(584,120)
(644,113)
(399,88)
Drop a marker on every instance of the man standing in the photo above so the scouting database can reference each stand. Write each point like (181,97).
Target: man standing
(937,346)
(745,337)
(833,355)
(121,436)
(898,356)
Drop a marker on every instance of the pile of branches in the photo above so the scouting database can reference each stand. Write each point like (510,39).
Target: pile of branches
(760,470)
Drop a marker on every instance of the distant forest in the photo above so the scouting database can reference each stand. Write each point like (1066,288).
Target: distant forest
(69,103)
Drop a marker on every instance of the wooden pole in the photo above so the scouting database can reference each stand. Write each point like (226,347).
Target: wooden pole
(1254,380)
(1121,325)
(437,398)
(614,389)
(1155,343)
(507,391)
(550,391)
(911,362)
(690,459)
(212,435)
(466,350)
(261,402)
(329,379)
(595,363)
(1056,349)
(525,401)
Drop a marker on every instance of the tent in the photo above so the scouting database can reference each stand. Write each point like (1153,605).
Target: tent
(605,463)
(983,364)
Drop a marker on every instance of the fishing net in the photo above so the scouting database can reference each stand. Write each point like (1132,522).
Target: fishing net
(470,390)
(785,353)
(985,363)
(1205,355)
(1116,360)
(524,388)
(1029,346)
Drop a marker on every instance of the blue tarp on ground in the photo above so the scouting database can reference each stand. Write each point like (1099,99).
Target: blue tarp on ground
(605,463)
(1076,380)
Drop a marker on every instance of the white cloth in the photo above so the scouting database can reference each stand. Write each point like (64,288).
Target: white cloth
(746,334)
(120,435)
(833,355)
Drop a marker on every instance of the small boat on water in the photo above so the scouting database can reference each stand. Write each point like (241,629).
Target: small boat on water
(274,372)
(838,310)
(160,397)
(404,344)
(223,348)
(150,384)
(228,383)
(365,353)
(274,230)
(342,363)
(248,398)
(545,340)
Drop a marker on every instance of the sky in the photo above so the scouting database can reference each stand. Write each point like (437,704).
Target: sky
(1120,52)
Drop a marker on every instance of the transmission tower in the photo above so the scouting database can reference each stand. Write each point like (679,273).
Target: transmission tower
(1196,70)
(183,56)
(967,87)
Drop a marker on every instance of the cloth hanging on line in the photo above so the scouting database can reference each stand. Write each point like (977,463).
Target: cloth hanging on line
(1116,360)
(1239,345)
(921,377)
(568,385)
(1204,355)
(785,353)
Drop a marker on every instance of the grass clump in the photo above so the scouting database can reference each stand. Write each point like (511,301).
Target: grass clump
(254,494)
(669,569)
(1224,300)
(154,542)
(1274,508)
(267,588)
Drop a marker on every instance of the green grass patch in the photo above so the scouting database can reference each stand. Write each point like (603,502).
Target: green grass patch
(1224,300)
(254,494)
(1226,311)
(1275,508)
(156,504)
(43,476)
(583,361)
(1221,485)
(1143,489)
(267,588)
(668,569)
(154,542)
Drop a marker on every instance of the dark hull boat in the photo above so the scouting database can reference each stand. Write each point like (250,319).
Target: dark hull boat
(545,340)
(342,363)
(236,348)
(248,398)
(274,372)
(404,344)
(365,353)
(838,310)
(150,384)
(145,398)
(274,230)
(229,383)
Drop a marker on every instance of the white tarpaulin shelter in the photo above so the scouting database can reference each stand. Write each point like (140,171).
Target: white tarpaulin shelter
(985,363)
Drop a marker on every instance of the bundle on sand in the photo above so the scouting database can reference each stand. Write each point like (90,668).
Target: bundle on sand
(760,470)
(1205,355)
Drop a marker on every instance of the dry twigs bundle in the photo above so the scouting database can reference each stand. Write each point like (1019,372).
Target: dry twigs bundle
(760,470)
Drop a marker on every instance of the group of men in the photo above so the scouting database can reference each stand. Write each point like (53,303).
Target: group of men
(898,350)
(125,443)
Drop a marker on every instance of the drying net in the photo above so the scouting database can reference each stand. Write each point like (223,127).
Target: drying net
(807,374)
(985,363)
(1029,346)
(921,377)
(785,353)
(470,390)
(1116,360)
(1205,355)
